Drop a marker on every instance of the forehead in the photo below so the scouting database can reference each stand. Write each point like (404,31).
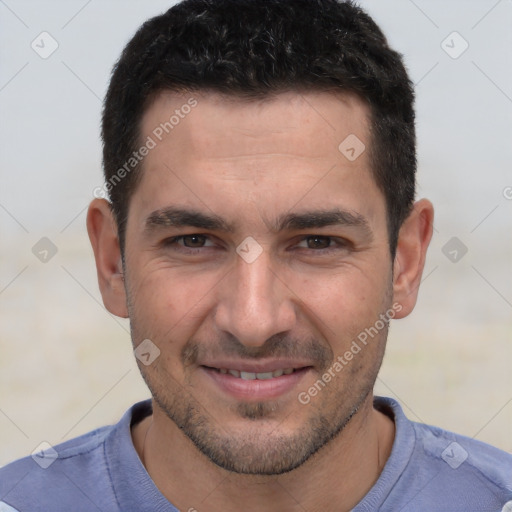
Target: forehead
(310,124)
(221,153)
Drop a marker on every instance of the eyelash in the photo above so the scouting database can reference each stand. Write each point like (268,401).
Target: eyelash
(174,242)
(335,243)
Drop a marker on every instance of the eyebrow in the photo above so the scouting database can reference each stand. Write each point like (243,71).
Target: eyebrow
(182,217)
(320,219)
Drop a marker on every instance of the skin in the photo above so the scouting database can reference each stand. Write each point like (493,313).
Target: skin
(304,299)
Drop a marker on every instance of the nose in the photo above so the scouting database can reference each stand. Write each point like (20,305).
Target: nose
(255,302)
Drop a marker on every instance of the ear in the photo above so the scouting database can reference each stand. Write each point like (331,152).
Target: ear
(413,240)
(102,230)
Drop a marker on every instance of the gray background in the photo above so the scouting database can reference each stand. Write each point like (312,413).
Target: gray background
(66,364)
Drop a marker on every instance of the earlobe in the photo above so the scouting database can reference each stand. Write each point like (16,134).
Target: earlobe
(413,242)
(102,230)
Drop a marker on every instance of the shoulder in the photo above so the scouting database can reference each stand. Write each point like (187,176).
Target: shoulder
(468,460)
(55,475)
(434,469)
(75,475)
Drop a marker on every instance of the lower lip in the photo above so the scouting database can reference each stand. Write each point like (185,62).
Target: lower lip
(255,390)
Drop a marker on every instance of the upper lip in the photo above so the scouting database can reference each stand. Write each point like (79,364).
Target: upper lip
(262,366)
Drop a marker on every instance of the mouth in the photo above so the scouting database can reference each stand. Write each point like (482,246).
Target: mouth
(240,374)
(255,384)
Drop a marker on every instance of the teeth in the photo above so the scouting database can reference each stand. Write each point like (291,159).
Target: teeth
(264,376)
(259,376)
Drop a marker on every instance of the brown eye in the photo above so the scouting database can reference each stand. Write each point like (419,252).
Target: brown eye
(318,242)
(194,241)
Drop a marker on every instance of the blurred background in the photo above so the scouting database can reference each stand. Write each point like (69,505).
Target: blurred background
(66,364)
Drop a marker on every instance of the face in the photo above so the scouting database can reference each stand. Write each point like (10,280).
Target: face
(256,253)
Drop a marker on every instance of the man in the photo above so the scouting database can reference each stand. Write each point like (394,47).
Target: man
(261,233)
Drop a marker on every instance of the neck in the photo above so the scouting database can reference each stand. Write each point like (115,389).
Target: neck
(340,473)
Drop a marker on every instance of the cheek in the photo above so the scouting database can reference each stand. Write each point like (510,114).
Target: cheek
(349,290)
(342,304)
(167,302)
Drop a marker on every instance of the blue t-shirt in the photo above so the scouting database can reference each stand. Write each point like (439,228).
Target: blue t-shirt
(429,470)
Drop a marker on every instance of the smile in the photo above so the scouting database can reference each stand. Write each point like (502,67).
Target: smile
(249,385)
(253,375)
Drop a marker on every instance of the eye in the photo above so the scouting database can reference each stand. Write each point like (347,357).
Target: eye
(316,242)
(193,241)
